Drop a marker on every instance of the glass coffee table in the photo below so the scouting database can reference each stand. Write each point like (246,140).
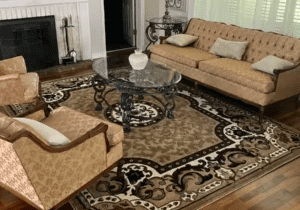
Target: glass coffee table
(153,80)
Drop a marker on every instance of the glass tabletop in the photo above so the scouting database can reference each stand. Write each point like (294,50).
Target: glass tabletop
(172,20)
(152,76)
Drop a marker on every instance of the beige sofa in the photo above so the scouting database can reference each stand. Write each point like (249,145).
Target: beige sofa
(233,77)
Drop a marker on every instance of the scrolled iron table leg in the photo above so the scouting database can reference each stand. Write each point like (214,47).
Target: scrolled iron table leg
(99,86)
(126,105)
(169,95)
(150,31)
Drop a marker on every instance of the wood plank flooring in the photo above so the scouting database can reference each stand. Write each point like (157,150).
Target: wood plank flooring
(279,190)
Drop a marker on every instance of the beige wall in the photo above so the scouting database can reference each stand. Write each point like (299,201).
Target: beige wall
(96,25)
(151,10)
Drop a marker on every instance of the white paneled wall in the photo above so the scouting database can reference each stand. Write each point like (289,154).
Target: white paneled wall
(59,11)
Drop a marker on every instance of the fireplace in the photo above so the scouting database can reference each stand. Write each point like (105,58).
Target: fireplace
(33,38)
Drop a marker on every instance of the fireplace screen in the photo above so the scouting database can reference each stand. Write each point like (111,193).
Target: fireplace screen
(33,38)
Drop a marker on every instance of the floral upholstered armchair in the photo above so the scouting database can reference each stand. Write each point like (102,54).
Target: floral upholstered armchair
(47,176)
(16,85)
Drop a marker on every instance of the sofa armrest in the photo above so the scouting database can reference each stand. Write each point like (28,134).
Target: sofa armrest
(287,80)
(58,172)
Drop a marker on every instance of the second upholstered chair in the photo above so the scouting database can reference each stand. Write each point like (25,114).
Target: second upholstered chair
(16,85)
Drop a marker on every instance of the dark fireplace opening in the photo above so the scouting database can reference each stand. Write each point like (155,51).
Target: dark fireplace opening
(33,38)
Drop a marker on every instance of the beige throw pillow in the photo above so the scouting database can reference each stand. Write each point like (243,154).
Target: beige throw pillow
(181,40)
(228,49)
(270,63)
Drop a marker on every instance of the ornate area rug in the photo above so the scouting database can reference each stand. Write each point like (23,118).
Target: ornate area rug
(209,149)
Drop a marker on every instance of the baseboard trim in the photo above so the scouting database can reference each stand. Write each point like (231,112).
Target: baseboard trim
(98,55)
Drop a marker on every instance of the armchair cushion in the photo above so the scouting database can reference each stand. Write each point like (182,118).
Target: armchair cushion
(54,137)
(74,124)
(13,65)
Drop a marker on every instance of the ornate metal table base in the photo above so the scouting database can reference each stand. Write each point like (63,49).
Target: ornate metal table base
(174,25)
(127,93)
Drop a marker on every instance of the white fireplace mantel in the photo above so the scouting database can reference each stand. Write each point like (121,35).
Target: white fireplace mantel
(90,19)
(59,8)
(26,3)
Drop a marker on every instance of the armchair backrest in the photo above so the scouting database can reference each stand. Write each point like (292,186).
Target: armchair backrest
(16,85)
(13,65)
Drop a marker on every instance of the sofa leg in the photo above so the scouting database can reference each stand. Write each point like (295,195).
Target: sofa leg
(261,113)
(196,85)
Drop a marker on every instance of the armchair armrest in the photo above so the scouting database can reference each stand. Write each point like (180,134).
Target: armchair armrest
(38,112)
(57,172)
(101,128)
(9,77)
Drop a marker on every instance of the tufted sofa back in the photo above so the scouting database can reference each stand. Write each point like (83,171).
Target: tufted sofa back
(261,44)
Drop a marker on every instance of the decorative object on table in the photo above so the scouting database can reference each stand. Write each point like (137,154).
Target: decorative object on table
(179,5)
(166,17)
(71,54)
(138,60)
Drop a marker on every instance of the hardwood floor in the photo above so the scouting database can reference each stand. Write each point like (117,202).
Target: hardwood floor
(279,190)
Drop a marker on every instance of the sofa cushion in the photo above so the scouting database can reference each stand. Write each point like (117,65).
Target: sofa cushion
(228,49)
(189,56)
(223,85)
(181,40)
(270,63)
(261,44)
(239,72)
(74,124)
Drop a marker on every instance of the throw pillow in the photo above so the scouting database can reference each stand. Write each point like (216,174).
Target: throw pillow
(181,40)
(228,49)
(54,137)
(270,63)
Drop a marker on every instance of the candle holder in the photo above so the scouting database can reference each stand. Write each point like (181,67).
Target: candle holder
(166,17)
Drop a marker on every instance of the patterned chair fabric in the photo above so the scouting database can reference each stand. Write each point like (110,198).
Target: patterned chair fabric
(16,85)
(45,178)
(74,124)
